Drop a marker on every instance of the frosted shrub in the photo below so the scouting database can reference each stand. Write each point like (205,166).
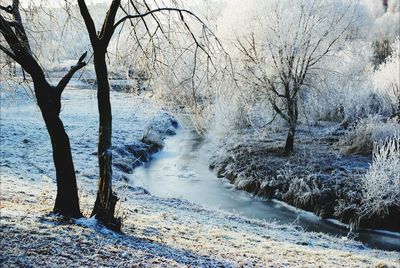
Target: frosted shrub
(363,91)
(386,78)
(375,8)
(381,184)
(374,129)
(344,92)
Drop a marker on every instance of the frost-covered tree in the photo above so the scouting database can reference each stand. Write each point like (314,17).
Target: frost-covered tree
(16,45)
(182,68)
(286,50)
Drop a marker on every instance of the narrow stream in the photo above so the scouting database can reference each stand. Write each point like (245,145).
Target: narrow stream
(181,171)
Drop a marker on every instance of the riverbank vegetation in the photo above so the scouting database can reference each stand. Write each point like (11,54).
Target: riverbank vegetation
(334,82)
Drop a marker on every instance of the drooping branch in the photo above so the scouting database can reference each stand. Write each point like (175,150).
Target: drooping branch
(150,12)
(143,19)
(198,45)
(180,12)
(67,77)
(154,16)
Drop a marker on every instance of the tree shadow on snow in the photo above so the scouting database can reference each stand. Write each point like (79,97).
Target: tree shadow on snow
(149,248)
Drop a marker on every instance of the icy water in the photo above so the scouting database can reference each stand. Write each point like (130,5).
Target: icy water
(181,171)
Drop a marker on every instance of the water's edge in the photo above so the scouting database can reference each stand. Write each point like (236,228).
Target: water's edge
(180,170)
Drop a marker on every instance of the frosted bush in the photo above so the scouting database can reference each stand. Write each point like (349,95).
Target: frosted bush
(386,26)
(375,8)
(367,132)
(339,89)
(357,89)
(386,78)
(394,6)
(381,184)
(229,115)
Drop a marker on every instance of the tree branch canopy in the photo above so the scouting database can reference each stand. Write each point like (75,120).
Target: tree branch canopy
(150,12)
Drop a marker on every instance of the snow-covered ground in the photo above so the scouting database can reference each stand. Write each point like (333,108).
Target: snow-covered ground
(158,232)
(24,138)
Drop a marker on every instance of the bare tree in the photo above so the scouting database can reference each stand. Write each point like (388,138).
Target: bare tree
(104,207)
(286,53)
(135,15)
(48,97)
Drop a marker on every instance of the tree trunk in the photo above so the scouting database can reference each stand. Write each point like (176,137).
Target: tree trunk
(67,200)
(289,146)
(106,200)
(293,116)
(49,101)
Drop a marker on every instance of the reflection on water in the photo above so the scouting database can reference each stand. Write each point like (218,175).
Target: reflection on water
(181,171)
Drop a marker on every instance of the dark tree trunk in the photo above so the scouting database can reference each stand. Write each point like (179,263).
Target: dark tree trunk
(106,200)
(289,145)
(104,207)
(292,120)
(49,100)
(67,201)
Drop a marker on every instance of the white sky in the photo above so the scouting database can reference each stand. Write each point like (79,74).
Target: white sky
(53,3)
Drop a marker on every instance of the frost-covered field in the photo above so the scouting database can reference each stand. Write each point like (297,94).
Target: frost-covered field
(161,233)
(157,232)
(25,142)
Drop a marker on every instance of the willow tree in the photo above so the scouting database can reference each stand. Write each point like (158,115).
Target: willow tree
(134,15)
(17,48)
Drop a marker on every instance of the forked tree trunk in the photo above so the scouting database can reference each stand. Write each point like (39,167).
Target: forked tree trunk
(106,200)
(49,100)
(104,207)
(67,201)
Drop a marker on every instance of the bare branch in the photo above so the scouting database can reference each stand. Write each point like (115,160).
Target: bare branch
(278,110)
(8,53)
(150,12)
(20,30)
(108,26)
(7,9)
(91,28)
(65,80)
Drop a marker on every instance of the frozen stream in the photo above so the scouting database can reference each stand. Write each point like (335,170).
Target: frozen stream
(181,171)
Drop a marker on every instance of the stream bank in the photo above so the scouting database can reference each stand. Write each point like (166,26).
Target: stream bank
(181,171)
(316,178)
